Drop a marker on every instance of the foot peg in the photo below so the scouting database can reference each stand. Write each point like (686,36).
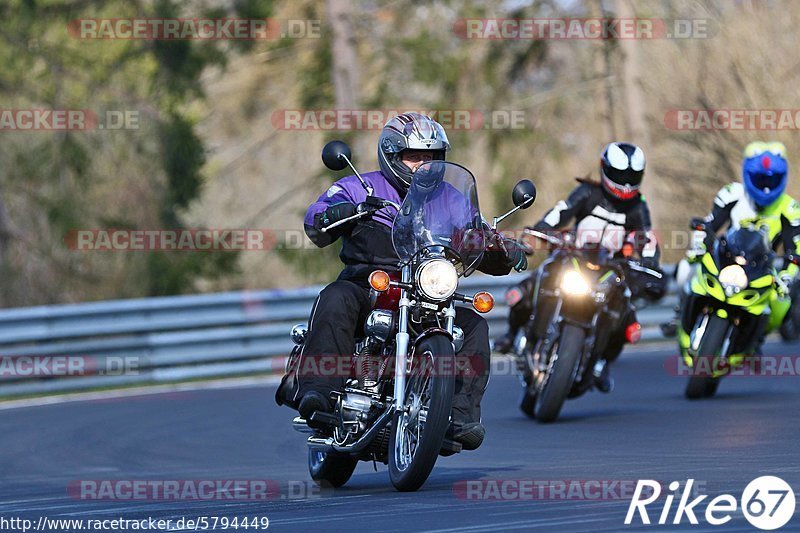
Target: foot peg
(318,419)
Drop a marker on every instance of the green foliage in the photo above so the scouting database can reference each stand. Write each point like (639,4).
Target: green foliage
(183,156)
(175,272)
(139,178)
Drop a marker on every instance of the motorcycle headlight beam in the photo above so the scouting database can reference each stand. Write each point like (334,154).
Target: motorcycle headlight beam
(437,279)
(574,284)
(733,279)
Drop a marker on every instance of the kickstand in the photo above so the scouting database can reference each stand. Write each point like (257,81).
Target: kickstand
(374,463)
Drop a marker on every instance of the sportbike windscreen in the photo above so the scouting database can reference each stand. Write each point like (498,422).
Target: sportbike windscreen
(440,214)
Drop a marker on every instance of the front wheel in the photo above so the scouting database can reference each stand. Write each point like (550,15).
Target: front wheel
(330,470)
(790,328)
(418,431)
(560,373)
(710,346)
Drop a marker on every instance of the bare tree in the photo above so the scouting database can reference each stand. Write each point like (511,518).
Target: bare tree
(344,55)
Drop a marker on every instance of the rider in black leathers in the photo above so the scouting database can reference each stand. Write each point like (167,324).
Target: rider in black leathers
(607,214)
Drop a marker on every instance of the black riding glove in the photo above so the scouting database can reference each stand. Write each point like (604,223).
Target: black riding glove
(515,255)
(337,212)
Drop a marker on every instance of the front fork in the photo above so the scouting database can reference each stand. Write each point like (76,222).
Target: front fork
(402,339)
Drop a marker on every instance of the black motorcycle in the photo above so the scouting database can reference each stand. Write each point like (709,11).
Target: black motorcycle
(579,297)
(396,404)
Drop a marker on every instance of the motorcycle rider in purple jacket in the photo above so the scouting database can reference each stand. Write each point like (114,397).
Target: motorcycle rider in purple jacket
(406,142)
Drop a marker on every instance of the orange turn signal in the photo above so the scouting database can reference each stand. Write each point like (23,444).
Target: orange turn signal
(379,280)
(483,302)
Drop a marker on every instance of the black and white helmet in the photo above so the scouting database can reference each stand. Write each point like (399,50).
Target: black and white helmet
(621,171)
(409,131)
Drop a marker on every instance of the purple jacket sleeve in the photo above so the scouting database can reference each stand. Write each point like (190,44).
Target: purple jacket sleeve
(337,193)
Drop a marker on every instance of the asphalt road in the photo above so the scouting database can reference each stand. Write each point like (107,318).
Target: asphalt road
(645,429)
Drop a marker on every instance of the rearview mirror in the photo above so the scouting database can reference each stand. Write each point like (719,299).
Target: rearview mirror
(335,155)
(524,194)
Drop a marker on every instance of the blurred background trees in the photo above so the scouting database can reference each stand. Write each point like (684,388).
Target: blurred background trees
(207,154)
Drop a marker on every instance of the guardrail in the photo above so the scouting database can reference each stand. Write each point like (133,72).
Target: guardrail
(150,340)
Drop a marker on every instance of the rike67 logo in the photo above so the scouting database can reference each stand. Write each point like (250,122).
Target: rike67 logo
(767,503)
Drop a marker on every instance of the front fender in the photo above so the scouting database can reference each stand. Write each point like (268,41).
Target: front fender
(429,333)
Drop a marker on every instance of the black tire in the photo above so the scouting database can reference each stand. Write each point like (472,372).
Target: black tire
(560,373)
(790,328)
(713,339)
(409,475)
(328,470)
(528,402)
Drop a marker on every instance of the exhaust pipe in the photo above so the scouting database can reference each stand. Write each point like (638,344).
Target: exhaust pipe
(328,445)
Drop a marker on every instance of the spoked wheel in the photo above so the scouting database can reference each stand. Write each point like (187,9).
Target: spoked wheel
(418,431)
(330,470)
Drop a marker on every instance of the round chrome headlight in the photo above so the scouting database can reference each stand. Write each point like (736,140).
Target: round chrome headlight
(437,279)
(733,279)
(573,283)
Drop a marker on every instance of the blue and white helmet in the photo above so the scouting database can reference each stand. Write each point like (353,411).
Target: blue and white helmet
(409,131)
(765,172)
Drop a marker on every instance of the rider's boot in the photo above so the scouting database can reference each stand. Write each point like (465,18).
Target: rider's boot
(602,376)
(469,435)
(312,402)
(670,327)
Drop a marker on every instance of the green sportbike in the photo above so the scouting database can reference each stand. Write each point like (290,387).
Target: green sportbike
(734,299)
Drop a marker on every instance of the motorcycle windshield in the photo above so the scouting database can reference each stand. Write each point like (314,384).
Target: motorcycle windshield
(440,215)
(747,248)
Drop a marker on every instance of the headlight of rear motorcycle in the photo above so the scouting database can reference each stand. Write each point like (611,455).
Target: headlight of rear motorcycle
(437,279)
(574,284)
(733,279)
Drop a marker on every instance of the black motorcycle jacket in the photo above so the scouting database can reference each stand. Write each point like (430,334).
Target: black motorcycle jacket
(599,221)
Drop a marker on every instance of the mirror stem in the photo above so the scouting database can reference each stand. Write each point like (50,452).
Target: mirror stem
(363,183)
(499,219)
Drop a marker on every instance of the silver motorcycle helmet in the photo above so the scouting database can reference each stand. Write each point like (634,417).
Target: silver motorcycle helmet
(409,131)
